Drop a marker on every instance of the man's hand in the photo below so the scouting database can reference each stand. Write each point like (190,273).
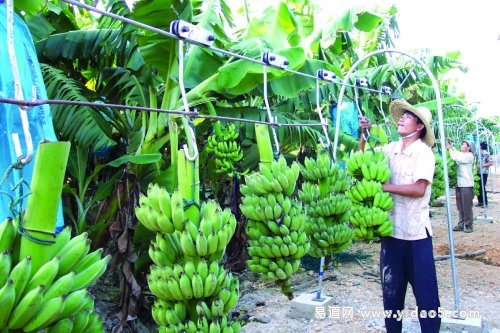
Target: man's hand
(364,123)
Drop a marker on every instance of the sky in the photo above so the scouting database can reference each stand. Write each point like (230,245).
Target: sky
(471,27)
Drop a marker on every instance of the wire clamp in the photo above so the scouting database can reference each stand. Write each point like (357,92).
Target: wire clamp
(323,74)
(190,32)
(361,82)
(275,60)
(386,90)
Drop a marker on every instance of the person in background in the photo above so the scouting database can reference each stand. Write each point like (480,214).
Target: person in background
(465,183)
(406,256)
(486,162)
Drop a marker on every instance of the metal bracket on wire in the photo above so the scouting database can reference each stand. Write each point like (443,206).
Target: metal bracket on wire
(323,74)
(197,35)
(361,82)
(275,60)
(18,91)
(386,91)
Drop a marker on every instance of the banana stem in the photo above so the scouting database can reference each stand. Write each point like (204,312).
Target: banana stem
(174,143)
(189,186)
(264,144)
(43,202)
(216,124)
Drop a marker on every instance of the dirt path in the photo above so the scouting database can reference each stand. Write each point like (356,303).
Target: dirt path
(354,282)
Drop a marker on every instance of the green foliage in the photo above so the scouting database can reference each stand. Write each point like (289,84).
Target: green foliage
(81,124)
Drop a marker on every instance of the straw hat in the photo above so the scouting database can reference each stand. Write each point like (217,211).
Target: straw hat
(398,107)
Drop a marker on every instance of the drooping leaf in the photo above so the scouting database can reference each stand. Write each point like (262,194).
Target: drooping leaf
(73,122)
(136,159)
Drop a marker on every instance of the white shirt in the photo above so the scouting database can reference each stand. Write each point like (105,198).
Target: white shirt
(410,216)
(464,164)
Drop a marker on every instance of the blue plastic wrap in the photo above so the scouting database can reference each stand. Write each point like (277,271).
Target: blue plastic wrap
(40,119)
(349,123)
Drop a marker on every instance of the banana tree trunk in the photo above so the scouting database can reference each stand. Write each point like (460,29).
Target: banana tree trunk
(43,203)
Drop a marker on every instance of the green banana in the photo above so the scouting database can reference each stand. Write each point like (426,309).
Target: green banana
(197,285)
(201,245)
(72,252)
(209,285)
(20,275)
(62,326)
(187,244)
(88,260)
(178,215)
(80,321)
(190,268)
(7,300)
(8,234)
(27,307)
(185,286)
(45,275)
(5,265)
(60,287)
(73,303)
(48,314)
(90,275)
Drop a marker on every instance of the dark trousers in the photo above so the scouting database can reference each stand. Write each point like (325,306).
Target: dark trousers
(464,196)
(482,184)
(403,262)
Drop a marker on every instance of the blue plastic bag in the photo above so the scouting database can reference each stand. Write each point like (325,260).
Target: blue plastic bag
(40,119)
(349,122)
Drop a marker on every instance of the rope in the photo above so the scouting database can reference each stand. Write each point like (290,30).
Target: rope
(189,203)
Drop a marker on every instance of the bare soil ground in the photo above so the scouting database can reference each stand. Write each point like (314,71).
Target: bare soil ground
(353,282)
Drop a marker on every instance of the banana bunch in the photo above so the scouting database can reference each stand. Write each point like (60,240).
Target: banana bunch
(370,204)
(369,165)
(184,282)
(54,298)
(276,247)
(226,149)
(327,207)
(333,205)
(438,185)
(370,220)
(186,256)
(202,313)
(159,211)
(210,238)
(477,180)
(275,222)
(316,169)
(327,237)
(279,178)
(452,172)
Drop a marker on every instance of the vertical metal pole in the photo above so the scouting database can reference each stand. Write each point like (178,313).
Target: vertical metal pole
(270,115)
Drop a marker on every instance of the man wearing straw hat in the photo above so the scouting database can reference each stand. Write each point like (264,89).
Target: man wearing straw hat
(406,256)
(465,183)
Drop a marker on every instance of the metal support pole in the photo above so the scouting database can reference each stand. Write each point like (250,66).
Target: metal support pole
(442,143)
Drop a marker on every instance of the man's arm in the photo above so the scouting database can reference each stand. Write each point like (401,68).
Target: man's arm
(415,190)
(487,165)
(364,125)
